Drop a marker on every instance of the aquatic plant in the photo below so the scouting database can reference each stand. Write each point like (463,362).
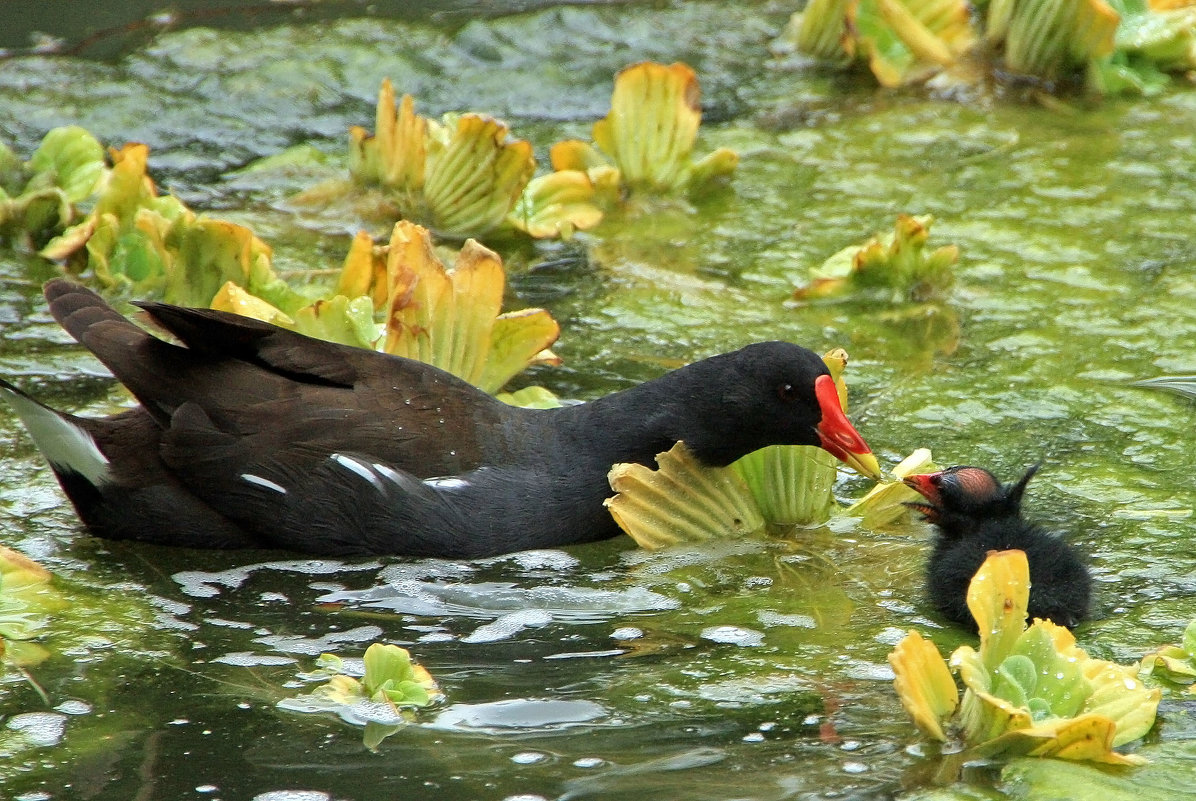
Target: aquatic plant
(27,599)
(1049,38)
(142,243)
(448,317)
(1113,45)
(39,198)
(460,176)
(1175,662)
(900,41)
(380,694)
(885,503)
(1029,691)
(898,265)
(683,500)
(645,143)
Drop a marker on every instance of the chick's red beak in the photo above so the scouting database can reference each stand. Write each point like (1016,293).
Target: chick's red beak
(837,435)
(926,485)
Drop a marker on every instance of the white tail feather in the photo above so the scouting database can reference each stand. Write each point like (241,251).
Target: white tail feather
(63,442)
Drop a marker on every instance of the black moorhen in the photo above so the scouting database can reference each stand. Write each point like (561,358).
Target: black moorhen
(249,435)
(974,514)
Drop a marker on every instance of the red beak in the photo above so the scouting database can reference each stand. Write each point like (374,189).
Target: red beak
(926,485)
(838,436)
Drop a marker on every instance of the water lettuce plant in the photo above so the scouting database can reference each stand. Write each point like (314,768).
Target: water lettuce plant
(1028,691)
(682,500)
(138,242)
(1176,663)
(27,599)
(39,198)
(380,693)
(897,265)
(885,503)
(460,176)
(1112,45)
(449,317)
(1049,38)
(900,41)
(645,143)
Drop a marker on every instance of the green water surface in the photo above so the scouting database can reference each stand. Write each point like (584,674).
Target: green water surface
(743,670)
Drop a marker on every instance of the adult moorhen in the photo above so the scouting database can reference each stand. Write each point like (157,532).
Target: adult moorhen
(974,514)
(249,435)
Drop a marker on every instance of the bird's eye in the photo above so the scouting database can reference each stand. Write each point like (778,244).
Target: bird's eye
(787,392)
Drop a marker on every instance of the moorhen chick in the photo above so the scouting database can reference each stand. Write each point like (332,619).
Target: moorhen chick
(975,513)
(249,435)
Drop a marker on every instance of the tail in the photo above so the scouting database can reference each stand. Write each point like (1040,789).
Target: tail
(64,440)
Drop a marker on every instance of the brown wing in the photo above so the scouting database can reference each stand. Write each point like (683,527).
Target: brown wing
(274,389)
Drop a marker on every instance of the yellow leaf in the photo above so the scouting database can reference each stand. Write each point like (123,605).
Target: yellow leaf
(558,204)
(474,180)
(885,502)
(233,298)
(682,501)
(650,131)
(517,340)
(450,318)
(924,684)
(364,271)
(573,154)
(997,598)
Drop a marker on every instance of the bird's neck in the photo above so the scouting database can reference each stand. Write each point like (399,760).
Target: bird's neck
(629,426)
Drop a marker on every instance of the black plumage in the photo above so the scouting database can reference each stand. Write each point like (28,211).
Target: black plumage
(974,514)
(249,435)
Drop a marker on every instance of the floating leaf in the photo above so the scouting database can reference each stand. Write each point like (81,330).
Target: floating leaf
(885,503)
(557,204)
(907,41)
(1047,38)
(1174,662)
(531,398)
(901,40)
(1030,690)
(821,29)
(648,134)
(71,159)
(896,264)
(27,599)
(791,484)
(38,198)
(681,501)
(459,177)
(391,685)
(924,684)
(450,318)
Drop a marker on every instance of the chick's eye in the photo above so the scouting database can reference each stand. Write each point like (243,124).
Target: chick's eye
(787,392)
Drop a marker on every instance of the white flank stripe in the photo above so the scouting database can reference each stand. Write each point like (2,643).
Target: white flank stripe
(389,473)
(446,482)
(263,482)
(65,445)
(360,468)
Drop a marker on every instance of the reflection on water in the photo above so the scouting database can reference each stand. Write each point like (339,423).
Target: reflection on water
(751,669)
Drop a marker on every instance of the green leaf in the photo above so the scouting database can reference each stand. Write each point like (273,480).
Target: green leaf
(74,159)
(1015,680)
(790,483)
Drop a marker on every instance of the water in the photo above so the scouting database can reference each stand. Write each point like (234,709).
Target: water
(751,669)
